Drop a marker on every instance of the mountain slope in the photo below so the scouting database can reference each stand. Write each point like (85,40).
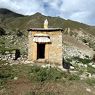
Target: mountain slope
(14,23)
(8,13)
(37,19)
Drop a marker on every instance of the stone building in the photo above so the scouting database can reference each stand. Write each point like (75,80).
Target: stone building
(45,44)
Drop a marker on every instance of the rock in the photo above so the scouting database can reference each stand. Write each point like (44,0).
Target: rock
(85,75)
(93,66)
(85,66)
(90,63)
(27,62)
(7,52)
(89,75)
(43,66)
(15,78)
(81,65)
(72,68)
(48,65)
(88,89)
(93,76)
(6,63)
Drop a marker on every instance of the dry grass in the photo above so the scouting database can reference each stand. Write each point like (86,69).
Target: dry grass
(24,86)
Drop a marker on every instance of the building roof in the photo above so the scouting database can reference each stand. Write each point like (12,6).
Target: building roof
(43,29)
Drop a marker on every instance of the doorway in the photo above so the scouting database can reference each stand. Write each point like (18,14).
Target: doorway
(17,54)
(40,51)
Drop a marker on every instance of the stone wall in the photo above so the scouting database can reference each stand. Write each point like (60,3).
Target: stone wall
(55,48)
(7,55)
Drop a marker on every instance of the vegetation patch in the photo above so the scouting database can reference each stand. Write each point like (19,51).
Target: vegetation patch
(36,80)
(90,81)
(73,77)
(41,93)
(45,74)
(4,50)
(6,72)
(90,69)
(84,61)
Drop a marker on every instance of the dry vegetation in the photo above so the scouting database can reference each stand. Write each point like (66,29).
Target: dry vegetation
(36,80)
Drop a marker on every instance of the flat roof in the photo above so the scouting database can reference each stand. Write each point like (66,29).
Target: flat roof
(43,29)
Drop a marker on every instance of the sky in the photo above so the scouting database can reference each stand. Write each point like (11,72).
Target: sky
(78,10)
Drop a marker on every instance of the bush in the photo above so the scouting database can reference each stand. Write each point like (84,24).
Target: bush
(90,69)
(84,61)
(90,81)
(84,40)
(73,77)
(44,74)
(50,74)
(6,72)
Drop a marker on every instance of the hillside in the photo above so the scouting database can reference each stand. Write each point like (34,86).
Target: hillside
(7,13)
(10,18)
(13,20)
(16,25)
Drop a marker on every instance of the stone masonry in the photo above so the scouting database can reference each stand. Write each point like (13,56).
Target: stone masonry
(53,49)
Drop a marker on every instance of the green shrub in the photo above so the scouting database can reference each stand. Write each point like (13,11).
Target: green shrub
(2,82)
(6,72)
(84,61)
(73,77)
(90,81)
(50,74)
(84,40)
(43,74)
(90,69)
(10,50)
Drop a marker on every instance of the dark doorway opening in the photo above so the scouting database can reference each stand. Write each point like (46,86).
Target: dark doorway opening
(17,54)
(40,51)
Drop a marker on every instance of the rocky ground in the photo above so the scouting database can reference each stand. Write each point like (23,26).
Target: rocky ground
(78,43)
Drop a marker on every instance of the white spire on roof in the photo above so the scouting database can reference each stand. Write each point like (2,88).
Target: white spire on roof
(46,24)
